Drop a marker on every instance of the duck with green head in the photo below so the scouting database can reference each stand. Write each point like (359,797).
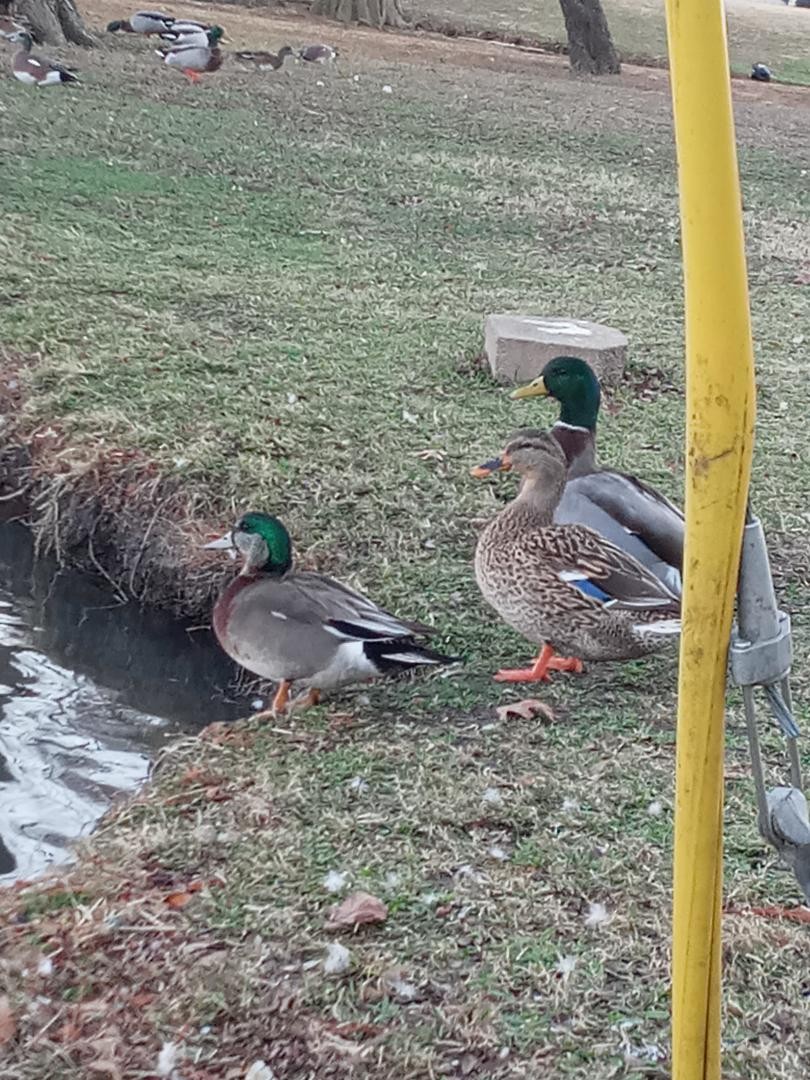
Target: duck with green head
(196,57)
(295,626)
(624,509)
(564,587)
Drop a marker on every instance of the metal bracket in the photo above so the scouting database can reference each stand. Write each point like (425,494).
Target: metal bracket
(760,655)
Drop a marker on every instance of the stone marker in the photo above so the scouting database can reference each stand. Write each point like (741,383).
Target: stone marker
(519,346)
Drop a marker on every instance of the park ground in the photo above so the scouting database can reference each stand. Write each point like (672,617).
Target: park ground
(268,292)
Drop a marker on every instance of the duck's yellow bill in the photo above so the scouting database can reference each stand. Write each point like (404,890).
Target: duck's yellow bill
(536,388)
(498,464)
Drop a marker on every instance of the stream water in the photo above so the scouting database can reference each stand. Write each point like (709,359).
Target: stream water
(89,690)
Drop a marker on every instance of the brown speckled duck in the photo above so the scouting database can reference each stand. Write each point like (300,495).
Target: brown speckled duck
(624,509)
(293,626)
(564,587)
(265,61)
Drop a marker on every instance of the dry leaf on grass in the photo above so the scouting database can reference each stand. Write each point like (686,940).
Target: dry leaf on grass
(355,910)
(794,914)
(8,1025)
(526,710)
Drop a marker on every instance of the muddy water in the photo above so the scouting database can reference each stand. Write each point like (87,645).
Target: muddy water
(90,689)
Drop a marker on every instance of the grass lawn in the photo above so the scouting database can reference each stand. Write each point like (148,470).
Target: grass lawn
(273,288)
(758,30)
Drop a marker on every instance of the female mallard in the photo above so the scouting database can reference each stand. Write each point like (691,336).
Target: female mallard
(621,507)
(37,70)
(265,61)
(194,59)
(142,22)
(564,587)
(300,627)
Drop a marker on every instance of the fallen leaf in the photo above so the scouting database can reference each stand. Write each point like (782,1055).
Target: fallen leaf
(802,277)
(526,709)
(194,775)
(795,914)
(8,1025)
(355,910)
(138,1001)
(217,794)
(177,900)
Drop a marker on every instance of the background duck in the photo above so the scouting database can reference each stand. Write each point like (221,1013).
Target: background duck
(194,59)
(34,70)
(142,22)
(300,627)
(624,509)
(317,54)
(185,32)
(564,587)
(264,61)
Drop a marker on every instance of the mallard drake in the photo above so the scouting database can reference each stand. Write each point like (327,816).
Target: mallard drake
(317,54)
(142,22)
(294,626)
(265,61)
(37,70)
(184,32)
(564,587)
(624,509)
(194,59)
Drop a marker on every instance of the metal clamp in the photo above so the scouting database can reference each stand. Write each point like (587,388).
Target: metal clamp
(760,655)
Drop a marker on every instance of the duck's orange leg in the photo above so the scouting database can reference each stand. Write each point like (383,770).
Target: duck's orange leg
(538,672)
(281,698)
(307,700)
(192,76)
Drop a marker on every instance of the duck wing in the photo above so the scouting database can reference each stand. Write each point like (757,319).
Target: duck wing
(603,571)
(317,600)
(638,509)
(583,503)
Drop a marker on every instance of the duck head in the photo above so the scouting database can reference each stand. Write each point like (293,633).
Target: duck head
(23,38)
(572,382)
(539,460)
(215,35)
(261,540)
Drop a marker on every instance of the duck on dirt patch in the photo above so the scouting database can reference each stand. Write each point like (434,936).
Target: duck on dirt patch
(294,626)
(265,61)
(142,22)
(565,588)
(34,70)
(196,59)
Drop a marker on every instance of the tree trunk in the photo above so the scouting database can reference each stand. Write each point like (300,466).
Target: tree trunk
(377,13)
(590,46)
(55,21)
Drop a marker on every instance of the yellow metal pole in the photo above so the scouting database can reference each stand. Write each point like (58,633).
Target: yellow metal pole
(719,438)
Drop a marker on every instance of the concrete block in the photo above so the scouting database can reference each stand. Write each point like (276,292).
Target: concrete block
(519,346)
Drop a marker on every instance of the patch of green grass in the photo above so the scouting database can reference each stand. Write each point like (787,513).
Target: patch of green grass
(762,31)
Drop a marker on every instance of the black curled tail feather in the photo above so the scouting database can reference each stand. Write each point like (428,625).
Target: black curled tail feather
(403,654)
